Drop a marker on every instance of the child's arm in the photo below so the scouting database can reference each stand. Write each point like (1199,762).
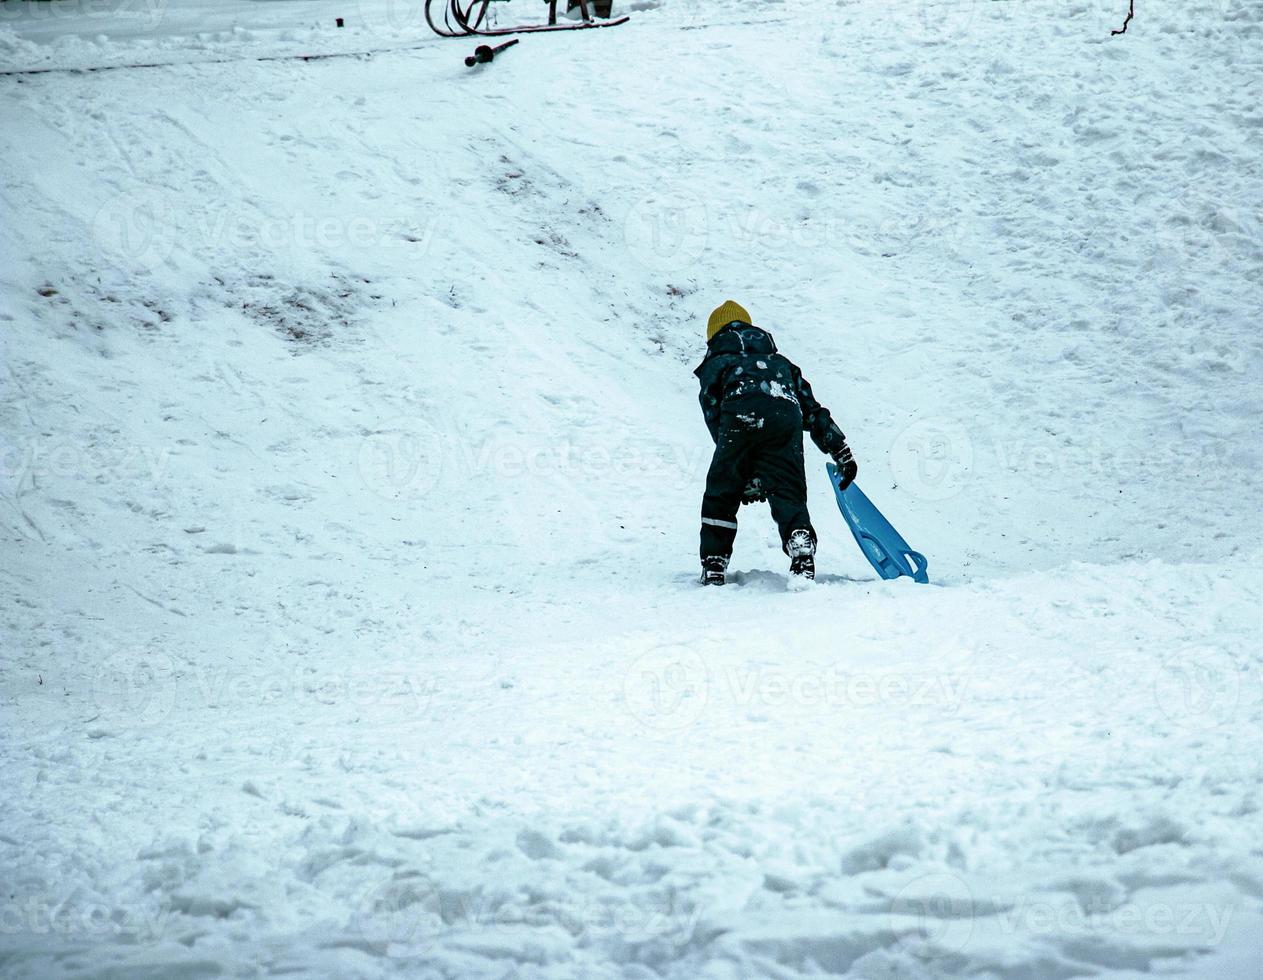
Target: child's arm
(710,375)
(817,421)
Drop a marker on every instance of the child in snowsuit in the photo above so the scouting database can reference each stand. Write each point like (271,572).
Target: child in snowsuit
(757,405)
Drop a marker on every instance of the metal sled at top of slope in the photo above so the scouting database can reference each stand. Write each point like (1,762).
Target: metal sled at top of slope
(471,20)
(883,546)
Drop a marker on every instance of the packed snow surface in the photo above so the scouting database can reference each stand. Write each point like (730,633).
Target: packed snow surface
(351,461)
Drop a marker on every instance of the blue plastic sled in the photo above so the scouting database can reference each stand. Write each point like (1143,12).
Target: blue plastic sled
(882,545)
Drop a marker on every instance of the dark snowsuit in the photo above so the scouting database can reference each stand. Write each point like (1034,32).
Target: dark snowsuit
(757,405)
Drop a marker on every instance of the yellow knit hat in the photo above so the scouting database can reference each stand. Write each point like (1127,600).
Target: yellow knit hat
(723,315)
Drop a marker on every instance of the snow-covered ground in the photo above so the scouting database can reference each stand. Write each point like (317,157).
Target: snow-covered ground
(350,462)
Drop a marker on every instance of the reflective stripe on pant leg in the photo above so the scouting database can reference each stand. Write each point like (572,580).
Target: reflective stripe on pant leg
(718,531)
(724,483)
(717,542)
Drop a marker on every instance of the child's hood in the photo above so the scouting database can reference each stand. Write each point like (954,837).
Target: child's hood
(740,338)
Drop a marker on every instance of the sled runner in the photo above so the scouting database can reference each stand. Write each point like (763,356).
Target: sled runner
(882,545)
(471,19)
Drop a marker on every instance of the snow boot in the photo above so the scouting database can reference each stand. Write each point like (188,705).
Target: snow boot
(713,569)
(802,561)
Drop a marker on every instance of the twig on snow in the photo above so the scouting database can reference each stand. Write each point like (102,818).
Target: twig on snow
(1131,12)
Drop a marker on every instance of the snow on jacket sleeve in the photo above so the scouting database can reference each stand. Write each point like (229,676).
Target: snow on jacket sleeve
(710,375)
(816,418)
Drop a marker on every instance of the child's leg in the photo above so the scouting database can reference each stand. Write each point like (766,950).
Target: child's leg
(780,465)
(719,510)
(791,515)
(725,482)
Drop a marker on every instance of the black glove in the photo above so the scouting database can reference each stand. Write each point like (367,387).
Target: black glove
(847,469)
(754,492)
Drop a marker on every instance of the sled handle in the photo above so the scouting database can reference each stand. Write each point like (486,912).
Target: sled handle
(913,564)
(919,565)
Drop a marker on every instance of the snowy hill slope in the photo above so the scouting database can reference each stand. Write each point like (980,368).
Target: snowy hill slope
(352,470)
